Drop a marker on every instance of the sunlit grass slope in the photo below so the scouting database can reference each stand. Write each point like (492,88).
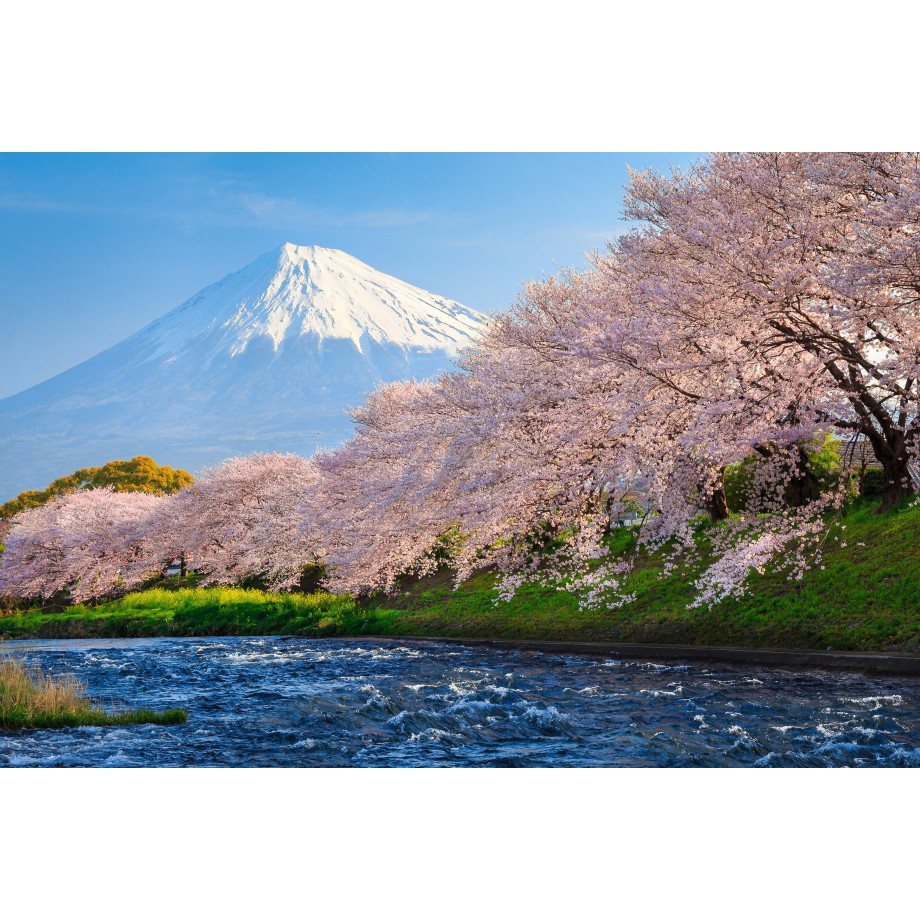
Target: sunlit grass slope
(867,596)
(191,612)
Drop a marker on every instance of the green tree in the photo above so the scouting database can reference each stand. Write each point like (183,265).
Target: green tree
(139,474)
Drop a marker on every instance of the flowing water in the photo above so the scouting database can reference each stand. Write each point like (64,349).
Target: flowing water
(273,701)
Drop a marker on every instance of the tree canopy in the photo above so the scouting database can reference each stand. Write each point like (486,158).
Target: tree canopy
(139,474)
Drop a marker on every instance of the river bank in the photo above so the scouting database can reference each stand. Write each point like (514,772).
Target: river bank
(865,597)
(784,658)
(128,625)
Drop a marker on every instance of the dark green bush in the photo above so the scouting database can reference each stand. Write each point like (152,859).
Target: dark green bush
(873,483)
(824,464)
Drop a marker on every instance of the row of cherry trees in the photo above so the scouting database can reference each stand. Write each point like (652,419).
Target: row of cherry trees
(762,300)
(239,521)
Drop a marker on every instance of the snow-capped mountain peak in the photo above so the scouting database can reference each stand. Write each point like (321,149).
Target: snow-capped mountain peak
(304,290)
(266,359)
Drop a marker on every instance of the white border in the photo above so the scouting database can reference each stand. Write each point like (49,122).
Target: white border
(496,75)
(461,843)
(473,76)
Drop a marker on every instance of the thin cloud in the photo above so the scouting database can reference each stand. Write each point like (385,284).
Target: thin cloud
(390,218)
(19,201)
(227,207)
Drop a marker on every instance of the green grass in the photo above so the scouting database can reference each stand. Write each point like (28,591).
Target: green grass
(190,612)
(14,719)
(31,699)
(866,598)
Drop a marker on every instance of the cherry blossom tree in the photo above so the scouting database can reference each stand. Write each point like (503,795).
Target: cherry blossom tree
(496,455)
(88,544)
(238,521)
(765,300)
(814,261)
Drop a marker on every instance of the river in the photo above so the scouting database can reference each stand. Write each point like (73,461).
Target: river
(270,701)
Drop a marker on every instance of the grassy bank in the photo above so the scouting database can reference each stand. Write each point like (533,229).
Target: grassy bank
(867,597)
(32,699)
(191,612)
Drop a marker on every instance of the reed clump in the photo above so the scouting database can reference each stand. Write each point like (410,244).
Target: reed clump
(29,698)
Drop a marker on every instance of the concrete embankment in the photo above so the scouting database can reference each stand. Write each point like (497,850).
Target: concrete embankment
(872,662)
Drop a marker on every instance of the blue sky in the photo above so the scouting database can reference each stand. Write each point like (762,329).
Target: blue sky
(94,246)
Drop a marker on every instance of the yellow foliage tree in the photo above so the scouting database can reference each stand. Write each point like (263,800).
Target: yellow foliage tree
(139,474)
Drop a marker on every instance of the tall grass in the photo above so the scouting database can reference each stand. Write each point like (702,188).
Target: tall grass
(29,698)
(212,611)
(229,599)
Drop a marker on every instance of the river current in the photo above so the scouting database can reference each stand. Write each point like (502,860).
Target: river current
(270,701)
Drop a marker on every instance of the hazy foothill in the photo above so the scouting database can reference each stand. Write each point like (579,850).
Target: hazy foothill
(735,381)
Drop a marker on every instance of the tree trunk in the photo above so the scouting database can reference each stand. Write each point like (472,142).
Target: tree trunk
(608,509)
(891,451)
(898,484)
(310,578)
(716,503)
(803,488)
(183,565)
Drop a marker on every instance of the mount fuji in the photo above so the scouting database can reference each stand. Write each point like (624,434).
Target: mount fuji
(267,359)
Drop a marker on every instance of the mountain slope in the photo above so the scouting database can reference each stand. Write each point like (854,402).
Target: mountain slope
(266,359)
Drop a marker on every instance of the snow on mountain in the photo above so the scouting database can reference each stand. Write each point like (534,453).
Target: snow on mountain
(266,359)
